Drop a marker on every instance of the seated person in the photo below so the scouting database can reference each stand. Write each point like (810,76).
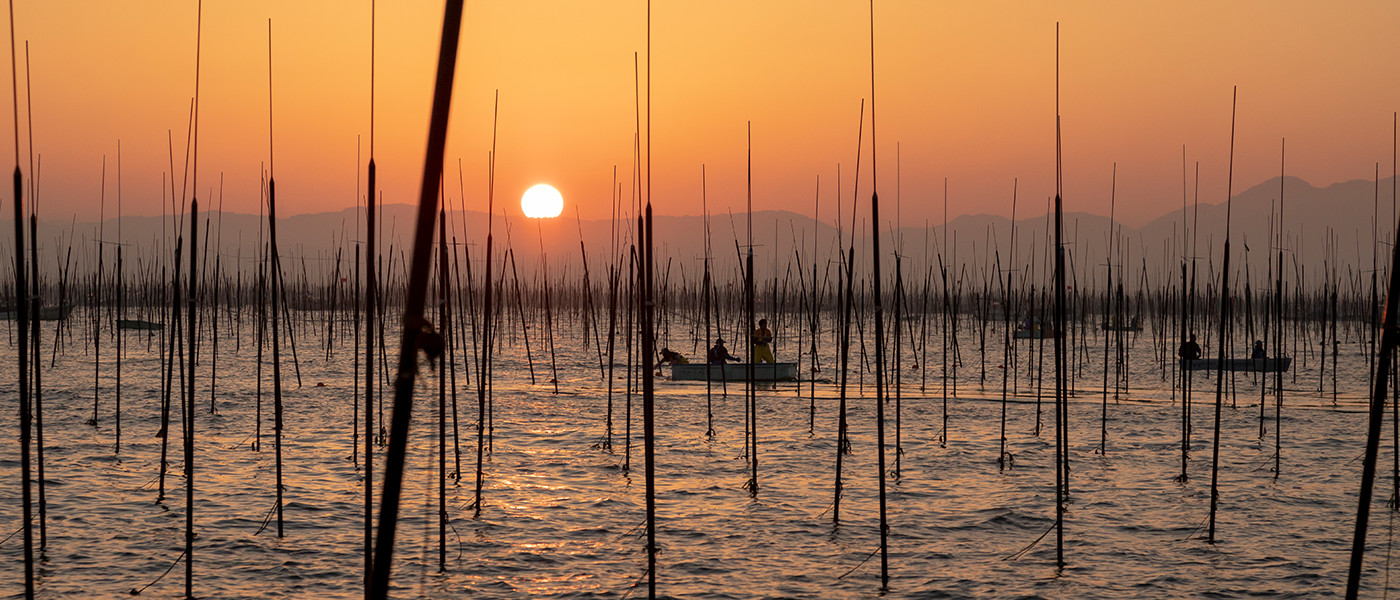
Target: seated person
(1258,350)
(718,355)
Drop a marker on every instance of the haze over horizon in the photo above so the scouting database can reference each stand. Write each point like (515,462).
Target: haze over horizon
(964,91)
(1329,229)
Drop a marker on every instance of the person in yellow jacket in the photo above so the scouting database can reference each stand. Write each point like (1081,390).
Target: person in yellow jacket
(763,343)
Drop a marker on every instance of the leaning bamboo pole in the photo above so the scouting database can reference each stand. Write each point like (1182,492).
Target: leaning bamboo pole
(415,328)
(1390,338)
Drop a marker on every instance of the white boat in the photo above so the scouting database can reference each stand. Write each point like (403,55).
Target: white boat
(783,371)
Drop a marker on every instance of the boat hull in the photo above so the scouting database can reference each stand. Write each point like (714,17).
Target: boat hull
(47,313)
(1254,365)
(139,325)
(783,371)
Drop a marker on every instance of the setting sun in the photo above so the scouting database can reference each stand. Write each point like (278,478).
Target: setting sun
(542,201)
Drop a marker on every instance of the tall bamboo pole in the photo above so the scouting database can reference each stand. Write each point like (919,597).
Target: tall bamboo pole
(879,319)
(648,350)
(371,301)
(414,326)
(22,312)
(276,290)
(1224,323)
(193,306)
(38,398)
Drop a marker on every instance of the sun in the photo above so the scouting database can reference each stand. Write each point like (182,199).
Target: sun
(542,202)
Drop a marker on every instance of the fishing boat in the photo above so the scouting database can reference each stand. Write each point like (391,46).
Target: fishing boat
(1034,330)
(47,313)
(1035,333)
(139,325)
(1133,326)
(1254,365)
(783,371)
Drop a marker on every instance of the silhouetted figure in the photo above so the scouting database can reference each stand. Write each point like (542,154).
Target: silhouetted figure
(718,355)
(763,343)
(1190,350)
(671,357)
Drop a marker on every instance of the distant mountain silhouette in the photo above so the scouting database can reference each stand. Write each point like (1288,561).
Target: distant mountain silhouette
(1329,226)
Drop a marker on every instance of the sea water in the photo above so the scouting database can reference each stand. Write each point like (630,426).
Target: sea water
(562,516)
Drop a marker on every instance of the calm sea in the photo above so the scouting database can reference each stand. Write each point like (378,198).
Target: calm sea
(562,517)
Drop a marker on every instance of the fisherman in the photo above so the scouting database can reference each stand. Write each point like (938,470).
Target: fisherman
(762,343)
(718,355)
(671,357)
(1258,353)
(1190,350)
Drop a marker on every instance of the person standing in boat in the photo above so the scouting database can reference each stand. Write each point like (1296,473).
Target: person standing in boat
(718,355)
(1190,350)
(763,343)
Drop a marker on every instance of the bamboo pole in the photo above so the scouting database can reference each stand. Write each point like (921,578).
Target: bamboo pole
(1390,338)
(879,321)
(371,300)
(36,362)
(483,371)
(276,291)
(648,351)
(1220,355)
(415,328)
(22,313)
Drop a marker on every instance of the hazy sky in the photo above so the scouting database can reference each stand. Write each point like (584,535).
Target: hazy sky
(965,88)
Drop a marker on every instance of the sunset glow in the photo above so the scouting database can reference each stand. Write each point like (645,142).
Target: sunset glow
(964,89)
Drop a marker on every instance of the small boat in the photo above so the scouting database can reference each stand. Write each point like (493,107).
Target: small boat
(1254,365)
(47,313)
(783,371)
(1133,326)
(1034,334)
(139,325)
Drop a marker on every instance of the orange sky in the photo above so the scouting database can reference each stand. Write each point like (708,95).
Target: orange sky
(965,88)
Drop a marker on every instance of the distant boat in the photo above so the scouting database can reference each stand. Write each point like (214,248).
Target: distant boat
(783,371)
(1034,334)
(1255,365)
(47,313)
(139,325)
(1133,326)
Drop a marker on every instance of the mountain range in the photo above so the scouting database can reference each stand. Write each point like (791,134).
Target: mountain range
(1329,228)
